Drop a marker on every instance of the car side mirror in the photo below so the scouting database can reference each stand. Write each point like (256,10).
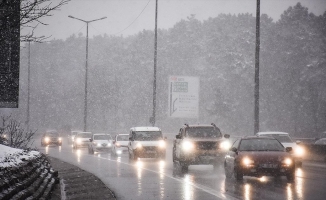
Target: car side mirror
(130,139)
(226,135)
(178,137)
(234,149)
(91,140)
(288,149)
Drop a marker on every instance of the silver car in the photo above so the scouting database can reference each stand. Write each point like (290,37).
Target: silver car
(100,142)
(120,144)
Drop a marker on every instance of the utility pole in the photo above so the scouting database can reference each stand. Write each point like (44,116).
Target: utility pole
(153,118)
(86,67)
(28,83)
(256,95)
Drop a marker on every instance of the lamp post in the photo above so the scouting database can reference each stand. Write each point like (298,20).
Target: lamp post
(86,66)
(256,93)
(152,119)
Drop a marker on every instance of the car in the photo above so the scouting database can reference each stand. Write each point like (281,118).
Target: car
(81,140)
(51,137)
(146,142)
(72,136)
(200,144)
(259,156)
(321,141)
(284,138)
(100,142)
(120,144)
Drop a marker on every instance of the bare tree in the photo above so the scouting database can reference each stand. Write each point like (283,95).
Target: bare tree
(31,14)
(14,135)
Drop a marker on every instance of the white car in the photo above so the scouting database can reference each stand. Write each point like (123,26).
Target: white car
(146,142)
(284,138)
(81,140)
(100,142)
(120,144)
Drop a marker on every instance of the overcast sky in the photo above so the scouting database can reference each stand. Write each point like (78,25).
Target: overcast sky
(128,17)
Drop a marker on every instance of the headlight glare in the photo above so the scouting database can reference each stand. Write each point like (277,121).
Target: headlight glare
(187,146)
(139,145)
(247,161)
(288,161)
(225,145)
(299,151)
(162,144)
(47,139)
(78,140)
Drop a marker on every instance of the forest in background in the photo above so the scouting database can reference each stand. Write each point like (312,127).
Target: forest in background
(220,51)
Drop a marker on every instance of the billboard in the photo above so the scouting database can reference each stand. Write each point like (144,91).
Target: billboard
(9,53)
(183,96)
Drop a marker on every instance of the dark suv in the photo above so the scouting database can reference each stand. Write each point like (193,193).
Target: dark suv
(200,145)
(51,137)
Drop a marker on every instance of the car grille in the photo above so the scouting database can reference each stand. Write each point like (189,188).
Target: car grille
(207,145)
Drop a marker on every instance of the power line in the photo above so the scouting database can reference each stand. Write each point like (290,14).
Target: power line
(134,19)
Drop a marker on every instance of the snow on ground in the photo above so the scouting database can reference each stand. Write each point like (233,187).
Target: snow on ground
(10,157)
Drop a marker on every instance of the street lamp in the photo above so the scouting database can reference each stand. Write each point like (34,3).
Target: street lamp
(153,118)
(256,91)
(85,100)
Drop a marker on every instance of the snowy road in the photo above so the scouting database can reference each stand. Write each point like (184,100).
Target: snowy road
(155,179)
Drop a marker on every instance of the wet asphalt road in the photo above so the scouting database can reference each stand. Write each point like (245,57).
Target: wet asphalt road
(157,179)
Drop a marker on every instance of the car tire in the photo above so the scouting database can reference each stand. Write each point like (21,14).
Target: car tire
(227,173)
(184,167)
(290,176)
(174,155)
(238,175)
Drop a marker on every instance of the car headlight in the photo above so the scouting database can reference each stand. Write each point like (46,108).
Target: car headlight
(299,151)
(225,145)
(5,135)
(247,161)
(47,139)
(161,144)
(117,144)
(187,145)
(59,138)
(98,144)
(287,161)
(78,140)
(138,145)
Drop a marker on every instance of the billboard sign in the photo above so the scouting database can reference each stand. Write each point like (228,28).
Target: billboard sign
(183,96)
(9,53)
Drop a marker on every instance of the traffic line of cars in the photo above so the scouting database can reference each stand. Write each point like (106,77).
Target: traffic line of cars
(265,154)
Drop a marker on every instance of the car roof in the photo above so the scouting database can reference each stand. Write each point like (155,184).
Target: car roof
(145,128)
(272,133)
(257,137)
(101,134)
(84,132)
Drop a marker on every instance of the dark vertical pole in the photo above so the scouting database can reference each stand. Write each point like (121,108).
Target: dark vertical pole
(28,82)
(256,123)
(86,70)
(155,61)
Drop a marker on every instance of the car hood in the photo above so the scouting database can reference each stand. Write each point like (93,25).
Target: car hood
(149,143)
(263,156)
(84,139)
(205,139)
(289,144)
(123,143)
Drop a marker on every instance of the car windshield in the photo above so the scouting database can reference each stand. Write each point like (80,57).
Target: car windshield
(102,137)
(123,138)
(261,144)
(203,132)
(281,137)
(52,134)
(147,135)
(84,135)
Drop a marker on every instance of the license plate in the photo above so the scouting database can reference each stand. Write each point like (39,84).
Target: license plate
(268,165)
(150,151)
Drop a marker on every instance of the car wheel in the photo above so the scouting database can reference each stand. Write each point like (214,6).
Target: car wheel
(173,155)
(227,172)
(238,175)
(184,167)
(290,176)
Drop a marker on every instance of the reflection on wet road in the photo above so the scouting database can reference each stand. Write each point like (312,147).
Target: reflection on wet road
(161,179)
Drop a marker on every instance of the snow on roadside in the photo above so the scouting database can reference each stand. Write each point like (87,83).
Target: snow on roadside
(10,157)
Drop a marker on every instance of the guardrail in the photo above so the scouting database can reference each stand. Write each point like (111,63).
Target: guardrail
(33,179)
